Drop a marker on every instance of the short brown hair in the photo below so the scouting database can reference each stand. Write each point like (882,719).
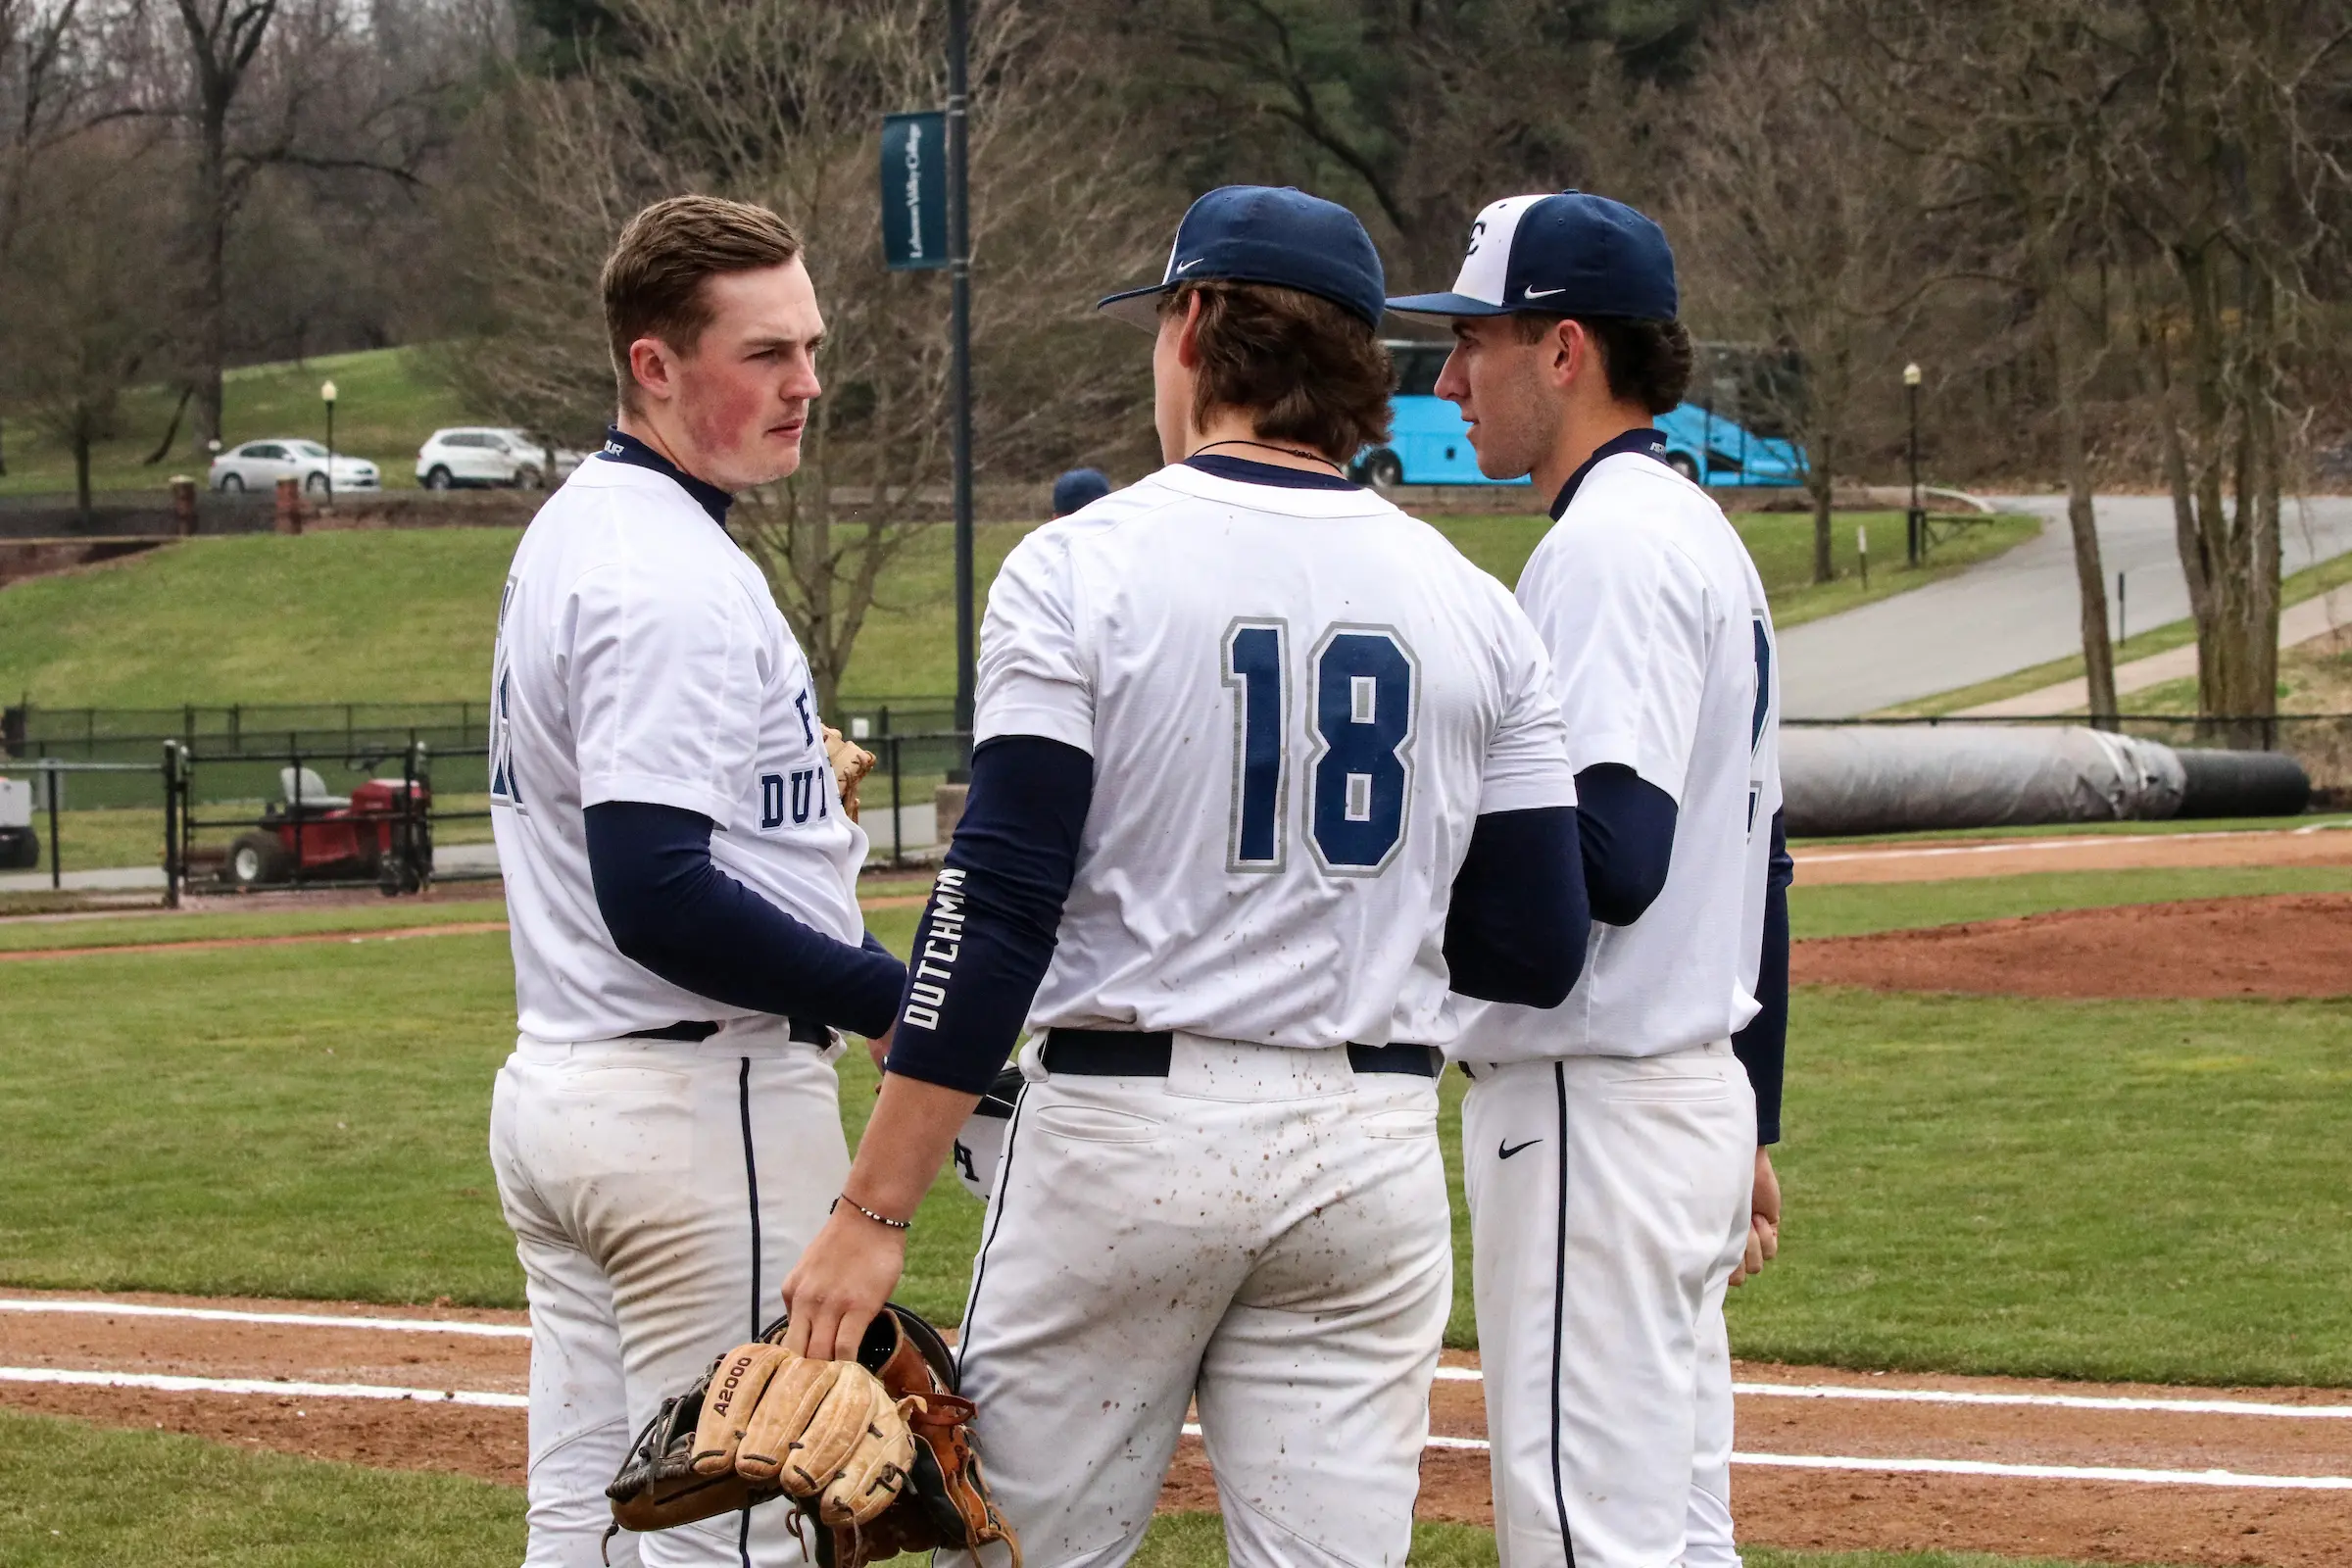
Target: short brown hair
(1646,362)
(653,282)
(1304,369)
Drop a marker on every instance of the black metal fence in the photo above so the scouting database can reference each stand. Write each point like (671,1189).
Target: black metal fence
(28,849)
(266,734)
(360,803)
(396,795)
(376,829)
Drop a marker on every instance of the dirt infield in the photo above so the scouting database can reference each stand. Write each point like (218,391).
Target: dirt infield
(1947,859)
(2283,944)
(1791,1421)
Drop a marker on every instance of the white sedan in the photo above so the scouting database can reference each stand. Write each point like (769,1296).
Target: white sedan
(260,464)
(476,455)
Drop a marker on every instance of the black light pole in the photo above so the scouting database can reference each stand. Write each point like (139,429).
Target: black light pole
(1915,531)
(326,395)
(959,284)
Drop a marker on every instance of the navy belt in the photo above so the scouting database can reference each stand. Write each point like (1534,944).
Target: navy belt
(804,1031)
(1128,1053)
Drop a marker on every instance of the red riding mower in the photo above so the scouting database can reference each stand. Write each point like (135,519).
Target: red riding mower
(382,830)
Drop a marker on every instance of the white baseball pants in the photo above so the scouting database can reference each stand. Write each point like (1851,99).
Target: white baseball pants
(1609,1203)
(1263,1229)
(658,1192)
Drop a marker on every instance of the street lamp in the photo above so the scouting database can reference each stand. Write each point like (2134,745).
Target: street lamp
(1914,531)
(325,393)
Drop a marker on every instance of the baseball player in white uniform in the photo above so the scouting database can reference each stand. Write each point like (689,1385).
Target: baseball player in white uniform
(680,884)
(1261,762)
(1612,1145)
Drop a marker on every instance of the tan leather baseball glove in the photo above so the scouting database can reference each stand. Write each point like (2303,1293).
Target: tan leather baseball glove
(765,1422)
(850,764)
(945,1500)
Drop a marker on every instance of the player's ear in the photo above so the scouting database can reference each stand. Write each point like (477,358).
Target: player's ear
(1187,334)
(650,367)
(1569,349)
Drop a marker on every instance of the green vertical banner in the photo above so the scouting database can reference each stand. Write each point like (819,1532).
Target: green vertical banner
(914,191)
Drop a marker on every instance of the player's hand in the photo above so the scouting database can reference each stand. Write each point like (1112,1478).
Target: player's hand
(1763,1223)
(878,1048)
(840,1283)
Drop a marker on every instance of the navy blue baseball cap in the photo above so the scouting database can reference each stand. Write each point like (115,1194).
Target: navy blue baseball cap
(1080,487)
(1569,254)
(1264,234)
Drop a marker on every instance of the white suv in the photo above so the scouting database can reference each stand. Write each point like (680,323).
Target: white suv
(475,455)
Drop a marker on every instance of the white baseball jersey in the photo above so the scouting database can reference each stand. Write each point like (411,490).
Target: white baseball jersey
(1663,660)
(640,658)
(1298,702)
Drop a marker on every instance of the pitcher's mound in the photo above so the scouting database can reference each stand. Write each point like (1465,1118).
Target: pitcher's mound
(2286,944)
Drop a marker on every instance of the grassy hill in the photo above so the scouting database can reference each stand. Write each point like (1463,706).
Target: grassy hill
(377,617)
(408,617)
(387,402)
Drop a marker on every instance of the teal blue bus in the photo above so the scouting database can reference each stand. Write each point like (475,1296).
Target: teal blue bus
(1725,433)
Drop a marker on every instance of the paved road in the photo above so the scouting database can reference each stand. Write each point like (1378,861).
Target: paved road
(2015,611)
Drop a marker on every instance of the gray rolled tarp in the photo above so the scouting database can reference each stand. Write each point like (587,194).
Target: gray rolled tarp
(1865,778)
(1873,778)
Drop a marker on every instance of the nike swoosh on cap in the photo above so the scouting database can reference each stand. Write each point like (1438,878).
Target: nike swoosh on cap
(1535,293)
(1186,267)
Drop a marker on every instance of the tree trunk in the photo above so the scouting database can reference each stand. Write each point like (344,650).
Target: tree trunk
(2248,670)
(1820,484)
(81,469)
(2090,573)
(2090,576)
(212,273)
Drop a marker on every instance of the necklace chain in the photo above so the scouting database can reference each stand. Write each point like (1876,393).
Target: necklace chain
(1244,441)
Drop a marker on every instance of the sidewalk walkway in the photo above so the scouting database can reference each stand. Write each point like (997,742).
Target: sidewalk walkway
(2297,623)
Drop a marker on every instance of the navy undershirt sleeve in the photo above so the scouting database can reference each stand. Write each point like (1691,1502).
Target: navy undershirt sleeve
(1516,927)
(1628,835)
(988,933)
(671,909)
(1763,1046)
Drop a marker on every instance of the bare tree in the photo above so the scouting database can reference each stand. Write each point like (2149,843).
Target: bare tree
(1416,113)
(286,84)
(100,325)
(46,89)
(222,37)
(779,101)
(2011,107)
(2240,144)
(1800,227)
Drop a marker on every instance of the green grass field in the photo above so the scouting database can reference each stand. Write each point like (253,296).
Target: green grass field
(357,919)
(409,616)
(64,1486)
(2149,1190)
(1852,909)
(1815,911)
(351,618)
(388,401)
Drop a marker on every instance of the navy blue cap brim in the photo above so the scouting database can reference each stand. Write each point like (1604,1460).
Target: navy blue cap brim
(1136,307)
(1446,305)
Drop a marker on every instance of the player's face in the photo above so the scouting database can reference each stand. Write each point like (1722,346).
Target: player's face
(742,394)
(1499,384)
